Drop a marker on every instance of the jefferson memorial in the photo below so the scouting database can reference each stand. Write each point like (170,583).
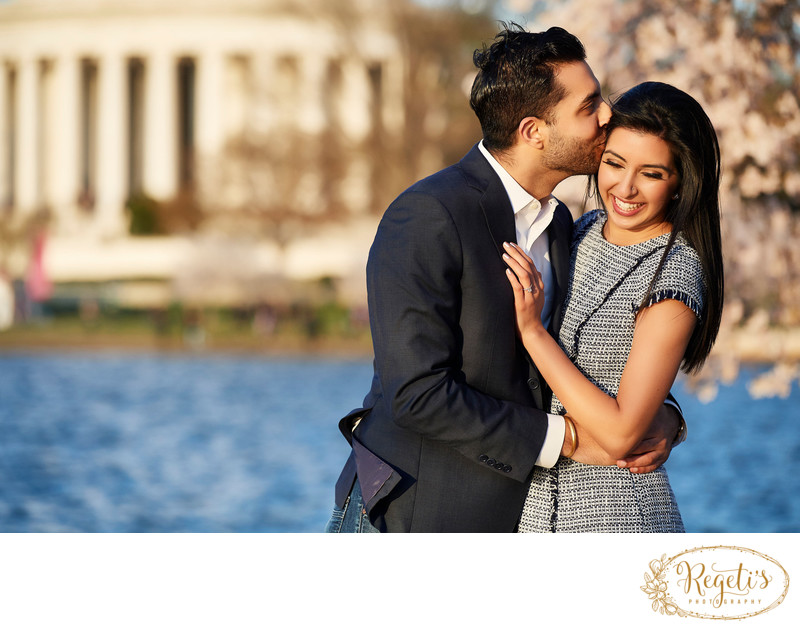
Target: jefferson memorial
(104,101)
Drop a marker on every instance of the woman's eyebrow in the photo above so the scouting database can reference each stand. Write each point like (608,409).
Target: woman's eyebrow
(614,153)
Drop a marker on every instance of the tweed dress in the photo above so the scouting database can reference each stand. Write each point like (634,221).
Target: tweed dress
(607,285)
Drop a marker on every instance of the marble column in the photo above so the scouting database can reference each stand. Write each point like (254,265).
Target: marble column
(355,120)
(111,144)
(210,130)
(27,135)
(161,141)
(312,122)
(63,127)
(311,119)
(266,112)
(5,138)
(393,116)
(355,100)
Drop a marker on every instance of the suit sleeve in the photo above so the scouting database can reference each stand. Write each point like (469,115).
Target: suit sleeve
(414,277)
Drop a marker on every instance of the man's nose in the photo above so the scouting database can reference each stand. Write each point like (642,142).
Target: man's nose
(603,114)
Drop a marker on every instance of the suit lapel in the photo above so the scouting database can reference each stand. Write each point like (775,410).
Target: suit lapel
(494,200)
(499,218)
(499,215)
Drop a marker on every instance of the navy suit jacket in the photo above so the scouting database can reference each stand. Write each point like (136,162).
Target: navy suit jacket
(453,423)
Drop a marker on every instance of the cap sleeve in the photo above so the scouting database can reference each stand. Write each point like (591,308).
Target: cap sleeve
(682,279)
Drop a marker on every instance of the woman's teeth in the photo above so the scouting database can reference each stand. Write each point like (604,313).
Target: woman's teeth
(626,206)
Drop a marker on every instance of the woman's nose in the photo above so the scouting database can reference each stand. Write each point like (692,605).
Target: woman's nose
(627,187)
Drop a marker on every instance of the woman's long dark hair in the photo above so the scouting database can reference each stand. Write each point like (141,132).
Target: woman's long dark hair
(665,111)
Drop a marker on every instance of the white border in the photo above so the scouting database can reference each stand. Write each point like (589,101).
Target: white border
(308,581)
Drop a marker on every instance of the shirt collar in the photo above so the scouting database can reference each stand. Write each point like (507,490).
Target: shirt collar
(518,196)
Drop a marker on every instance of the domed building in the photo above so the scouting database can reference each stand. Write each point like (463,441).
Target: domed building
(122,121)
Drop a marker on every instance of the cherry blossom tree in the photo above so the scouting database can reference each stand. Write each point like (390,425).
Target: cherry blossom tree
(740,60)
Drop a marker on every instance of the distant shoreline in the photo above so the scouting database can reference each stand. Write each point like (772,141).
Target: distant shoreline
(768,346)
(761,346)
(30,340)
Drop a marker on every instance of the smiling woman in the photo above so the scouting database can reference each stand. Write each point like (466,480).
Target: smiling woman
(664,113)
(644,300)
(636,179)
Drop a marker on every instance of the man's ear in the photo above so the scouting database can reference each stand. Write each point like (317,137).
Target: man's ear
(532,131)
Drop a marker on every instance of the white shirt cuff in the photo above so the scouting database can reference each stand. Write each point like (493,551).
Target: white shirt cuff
(553,442)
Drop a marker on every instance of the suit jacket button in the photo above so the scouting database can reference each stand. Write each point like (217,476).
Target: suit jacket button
(498,466)
(507,468)
(491,462)
(483,457)
(533,383)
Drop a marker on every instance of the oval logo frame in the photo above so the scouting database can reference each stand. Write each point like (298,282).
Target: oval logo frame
(716,583)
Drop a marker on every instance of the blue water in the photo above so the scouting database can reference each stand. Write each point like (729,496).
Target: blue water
(159,443)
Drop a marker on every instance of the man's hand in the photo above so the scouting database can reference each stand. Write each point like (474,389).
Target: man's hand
(648,455)
(657,444)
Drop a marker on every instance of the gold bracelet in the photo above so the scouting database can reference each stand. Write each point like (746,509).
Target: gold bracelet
(572,434)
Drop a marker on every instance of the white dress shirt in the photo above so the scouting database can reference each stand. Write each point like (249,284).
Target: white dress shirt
(532,217)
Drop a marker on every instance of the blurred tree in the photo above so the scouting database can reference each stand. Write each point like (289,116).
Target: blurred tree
(740,59)
(288,180)
(438,48)
(143,215)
